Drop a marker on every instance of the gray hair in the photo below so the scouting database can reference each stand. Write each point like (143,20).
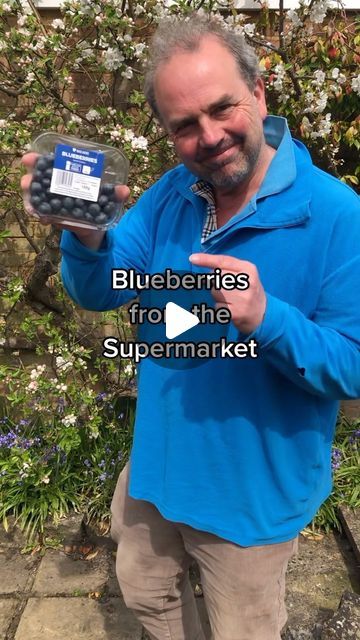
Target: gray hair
(177,34)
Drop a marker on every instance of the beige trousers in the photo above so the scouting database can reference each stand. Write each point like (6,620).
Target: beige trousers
(243,587)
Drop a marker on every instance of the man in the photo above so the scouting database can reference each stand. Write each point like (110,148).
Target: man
(231,459)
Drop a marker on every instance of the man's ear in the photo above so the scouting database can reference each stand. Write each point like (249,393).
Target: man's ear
(259,95)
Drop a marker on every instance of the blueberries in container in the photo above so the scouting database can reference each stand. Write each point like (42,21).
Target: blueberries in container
(47,203)
(103,213)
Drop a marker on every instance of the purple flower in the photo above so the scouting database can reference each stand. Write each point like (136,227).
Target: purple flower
(8,440)
(103,477)
(87,463)
(336,458)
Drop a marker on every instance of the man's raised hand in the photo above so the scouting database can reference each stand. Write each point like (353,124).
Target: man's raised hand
(247,307)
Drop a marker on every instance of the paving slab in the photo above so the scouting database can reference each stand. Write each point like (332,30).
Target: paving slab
(8,608)
(316,580)
(14,537)
(112,583)
(351,522)
(59,574)
(77,618)
(16,570)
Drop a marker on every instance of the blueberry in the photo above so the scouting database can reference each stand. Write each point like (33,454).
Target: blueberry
(49,158)
(63,212)
(68,203)
(108,190)
(79,202)
(103,200)
(77,212)
(35,201)
(101,218)
(44,208)
(48,173)
(35,187)
(94,209)
(110,208)
(88,217)
(55,204)
(41,164)
(46,182)
(37,176)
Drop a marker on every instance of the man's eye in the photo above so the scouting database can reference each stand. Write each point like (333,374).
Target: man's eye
(183,127)
(223,107)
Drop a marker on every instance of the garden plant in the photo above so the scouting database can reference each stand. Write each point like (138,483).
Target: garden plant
(66,417)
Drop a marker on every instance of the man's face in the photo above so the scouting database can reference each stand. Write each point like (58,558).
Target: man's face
(214,120)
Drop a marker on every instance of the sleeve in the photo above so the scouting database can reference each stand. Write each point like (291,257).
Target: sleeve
(87,274)
(321,354)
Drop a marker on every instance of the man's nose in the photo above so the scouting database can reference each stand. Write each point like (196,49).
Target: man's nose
(211,133)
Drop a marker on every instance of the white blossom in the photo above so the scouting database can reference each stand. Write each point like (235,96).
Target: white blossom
(93,114)
(3,123)
(128,135)
(69,420)
(249,28)
(82,363)
(128,73)
(355,84)
(63,364)
(30,77)
(321,102)
(318,11)
(45,480)
(58,24)
(280,76)
(139,143)
(319,78)
(324,127)
(294,17)
(36,373)
(139,49)
(61,387)
(33,386)
(113,59)
(115,134)
(21,20)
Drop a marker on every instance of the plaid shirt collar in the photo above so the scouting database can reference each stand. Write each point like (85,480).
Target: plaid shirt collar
(204,189)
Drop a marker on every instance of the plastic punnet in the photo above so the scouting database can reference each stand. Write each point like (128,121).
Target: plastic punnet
(74,181)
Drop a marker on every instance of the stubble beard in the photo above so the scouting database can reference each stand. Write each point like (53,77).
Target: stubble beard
(245,163)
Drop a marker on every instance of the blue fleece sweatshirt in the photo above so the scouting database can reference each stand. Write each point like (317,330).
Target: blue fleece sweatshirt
(242,447)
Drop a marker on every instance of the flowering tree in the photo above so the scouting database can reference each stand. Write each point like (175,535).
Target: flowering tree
(82,74)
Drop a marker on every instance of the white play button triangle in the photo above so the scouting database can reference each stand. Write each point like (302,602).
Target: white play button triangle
(178,320)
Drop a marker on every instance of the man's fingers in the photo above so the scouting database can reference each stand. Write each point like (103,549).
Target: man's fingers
(217,261)
(26,181)
(29,159)
(122,192)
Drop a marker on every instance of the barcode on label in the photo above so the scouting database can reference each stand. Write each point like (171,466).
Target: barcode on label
(64,178)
